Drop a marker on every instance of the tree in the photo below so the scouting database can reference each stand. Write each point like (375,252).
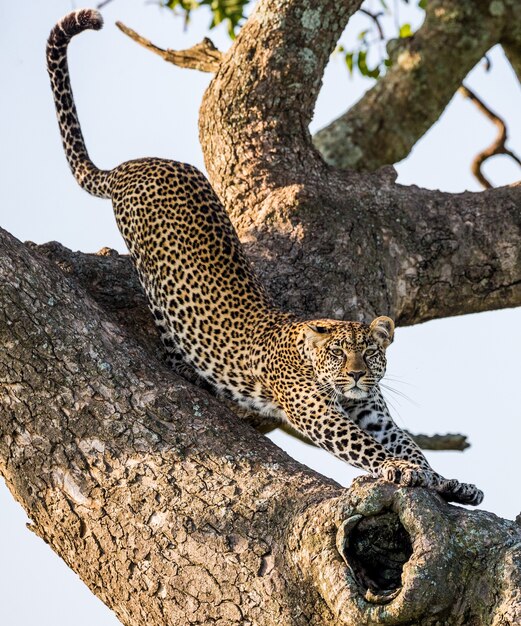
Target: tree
(224,528)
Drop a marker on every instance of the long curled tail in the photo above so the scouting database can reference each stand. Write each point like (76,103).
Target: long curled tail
(89,177)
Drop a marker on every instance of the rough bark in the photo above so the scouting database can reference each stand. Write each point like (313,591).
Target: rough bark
(327,241)
(427,70)
(174,512)
(513,53)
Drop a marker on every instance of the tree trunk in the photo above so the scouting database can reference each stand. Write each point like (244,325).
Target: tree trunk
(411,253)
(174,512)
(171,509)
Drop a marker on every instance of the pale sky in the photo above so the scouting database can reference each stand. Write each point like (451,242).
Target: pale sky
(133,104)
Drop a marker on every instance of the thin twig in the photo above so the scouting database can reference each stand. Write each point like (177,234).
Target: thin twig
(203,56)
(376,19)
(497,147)
(450,441)
(103,4)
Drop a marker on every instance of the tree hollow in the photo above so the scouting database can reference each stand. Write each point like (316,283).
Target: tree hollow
(377,550)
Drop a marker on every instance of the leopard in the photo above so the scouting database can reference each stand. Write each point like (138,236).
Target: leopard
(215,317)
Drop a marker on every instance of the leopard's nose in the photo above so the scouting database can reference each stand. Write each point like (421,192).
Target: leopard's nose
(357,375)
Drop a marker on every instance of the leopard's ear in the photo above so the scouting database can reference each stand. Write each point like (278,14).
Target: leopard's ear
(382,330)
(316,334)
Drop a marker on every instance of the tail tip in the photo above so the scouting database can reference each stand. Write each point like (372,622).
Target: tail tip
(94,19)
(87,19)
(75,23)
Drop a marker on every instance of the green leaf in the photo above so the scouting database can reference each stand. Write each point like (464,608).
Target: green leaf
(186,5)
(230,12)
(362,66)
(405,31)
(349,61)
(422,4)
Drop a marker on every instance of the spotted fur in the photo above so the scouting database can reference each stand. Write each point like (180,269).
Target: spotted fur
(215,317)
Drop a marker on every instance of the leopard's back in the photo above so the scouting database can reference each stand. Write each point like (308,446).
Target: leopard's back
(207,302)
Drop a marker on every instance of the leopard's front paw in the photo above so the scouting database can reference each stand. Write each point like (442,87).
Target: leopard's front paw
(406,474)
(462,493)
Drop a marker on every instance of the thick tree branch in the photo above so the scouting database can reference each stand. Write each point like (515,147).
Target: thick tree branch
(172,511)
(333,243)
(161,501)
(357,249)
(427,70)
(461,252)
(203,56)
(262,120)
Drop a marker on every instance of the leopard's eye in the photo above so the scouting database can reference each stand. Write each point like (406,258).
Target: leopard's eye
(370,351)
(335,351)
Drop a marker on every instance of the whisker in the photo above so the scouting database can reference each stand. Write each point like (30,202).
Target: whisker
(395,391)
(327,386)
(399,393)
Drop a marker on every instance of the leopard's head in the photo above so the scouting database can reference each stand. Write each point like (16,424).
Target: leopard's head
(348,357)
